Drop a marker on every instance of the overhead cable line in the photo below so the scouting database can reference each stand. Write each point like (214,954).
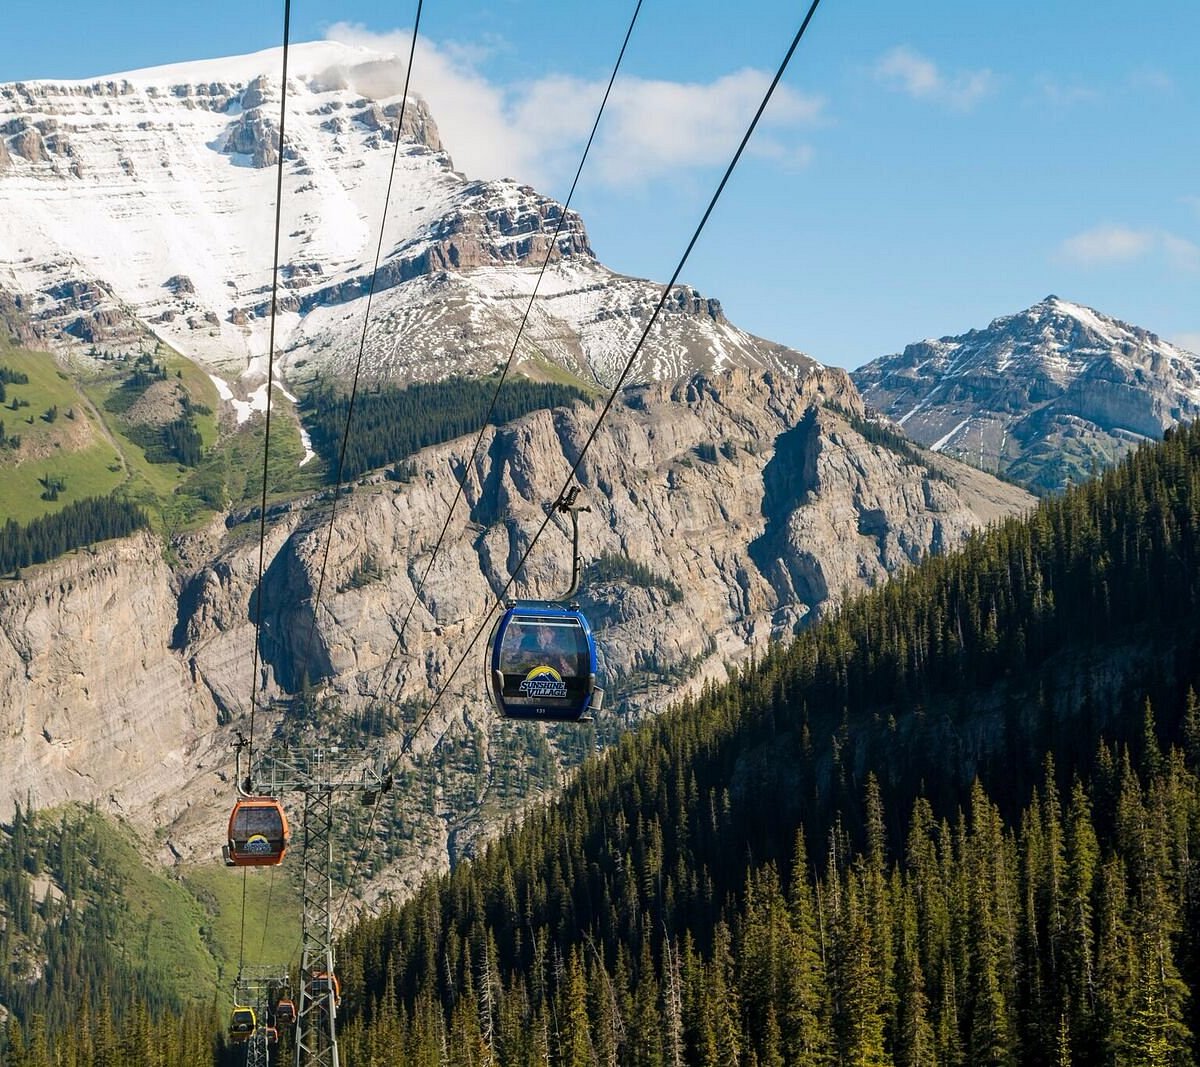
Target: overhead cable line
(262,517)
(500,597)
(262,945)
(550,247)
(362,344)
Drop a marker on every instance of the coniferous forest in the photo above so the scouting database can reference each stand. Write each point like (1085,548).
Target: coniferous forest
(956,822)
(79,989)
(860,850)
(82,522)
(390,424)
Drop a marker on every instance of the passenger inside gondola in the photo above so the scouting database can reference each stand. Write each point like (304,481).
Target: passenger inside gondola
(541,664)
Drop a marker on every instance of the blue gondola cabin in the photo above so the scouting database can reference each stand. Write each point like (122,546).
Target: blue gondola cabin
(542,664)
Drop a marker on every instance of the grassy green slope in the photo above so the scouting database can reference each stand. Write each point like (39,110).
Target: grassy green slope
(179,931)
(73,448)
(96,446)
(187,923)
(272,915)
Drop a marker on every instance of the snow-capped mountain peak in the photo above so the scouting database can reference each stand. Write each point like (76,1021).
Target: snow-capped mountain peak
(146,201)
(327,62)
(1042,394)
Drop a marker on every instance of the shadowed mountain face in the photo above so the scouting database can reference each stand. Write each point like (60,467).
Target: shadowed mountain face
(1043,396)
(144,203)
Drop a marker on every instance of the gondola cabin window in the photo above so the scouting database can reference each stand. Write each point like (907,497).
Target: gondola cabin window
(258,833)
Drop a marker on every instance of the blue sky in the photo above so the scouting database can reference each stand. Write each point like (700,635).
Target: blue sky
(928,166)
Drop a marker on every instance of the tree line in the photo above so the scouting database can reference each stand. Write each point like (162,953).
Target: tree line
(1072,937)
(79,995)
(969,902)
(392,423)
(82,522)
(856,850)
(176,441)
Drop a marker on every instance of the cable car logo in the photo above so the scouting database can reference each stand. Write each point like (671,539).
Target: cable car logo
(257,843)
(542,682)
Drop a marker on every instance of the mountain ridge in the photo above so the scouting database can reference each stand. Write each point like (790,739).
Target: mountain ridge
(749,568)
(1042,395)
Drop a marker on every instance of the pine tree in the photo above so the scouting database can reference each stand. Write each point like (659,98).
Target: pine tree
(858,1018)
(721,1004)
(608,1028)
(990,1037)
(577,1050)
(806,998)
(1191,730)
(15,1051)
(645,1026)
(1082,858)
(915,1045)
(672,1005)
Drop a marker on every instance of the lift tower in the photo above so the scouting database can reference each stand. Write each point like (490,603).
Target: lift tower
(320,774)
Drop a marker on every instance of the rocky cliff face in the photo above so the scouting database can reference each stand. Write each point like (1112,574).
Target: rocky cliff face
(93,707)
(753,503)
(1042,396)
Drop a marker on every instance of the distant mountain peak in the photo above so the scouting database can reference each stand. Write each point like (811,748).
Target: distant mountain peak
(1043,395)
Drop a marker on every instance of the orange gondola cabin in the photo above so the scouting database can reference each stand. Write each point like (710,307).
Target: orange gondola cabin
(258,833)
(285,1013)
(324,987)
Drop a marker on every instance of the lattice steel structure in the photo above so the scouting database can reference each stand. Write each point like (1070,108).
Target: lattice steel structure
(320,774)
(316,1019)
(256,1049)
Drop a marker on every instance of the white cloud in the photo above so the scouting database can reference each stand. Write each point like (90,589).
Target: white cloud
(1063,96)
(1107,244)
(535,131)
(1158,81)
(1121,244)
(1182,252)
(469,112)
(907,71)
(657,127)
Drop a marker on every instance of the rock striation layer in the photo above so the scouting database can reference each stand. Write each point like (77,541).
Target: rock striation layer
(136,180)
